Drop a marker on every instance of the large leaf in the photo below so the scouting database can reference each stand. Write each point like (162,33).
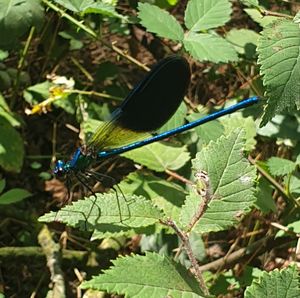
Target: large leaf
(205,14)
(112,208)
(149,276)
(280,65)
(160,157)
(16,18)
(160,22)
(231,180)
(11,147)
(276,284)
(209,47)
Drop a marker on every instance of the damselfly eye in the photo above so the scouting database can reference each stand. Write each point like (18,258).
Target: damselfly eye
(59,169)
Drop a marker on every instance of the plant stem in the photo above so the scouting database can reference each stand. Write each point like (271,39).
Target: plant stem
(187,246)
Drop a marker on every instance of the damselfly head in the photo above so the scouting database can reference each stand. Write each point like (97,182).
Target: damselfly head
(60,168)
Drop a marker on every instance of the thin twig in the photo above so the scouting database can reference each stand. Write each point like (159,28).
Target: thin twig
(187,246)
(259,247)
(179,177)
(266,13)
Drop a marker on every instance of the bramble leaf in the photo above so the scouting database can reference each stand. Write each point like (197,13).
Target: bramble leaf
(206,14)
(159,21)
(231,180)
(160,157)
(149,276)
(276,284)
(280,66)
(109,208)
(209,47)
(280,166)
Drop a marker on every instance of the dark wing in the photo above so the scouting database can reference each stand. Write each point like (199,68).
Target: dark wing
(147,107)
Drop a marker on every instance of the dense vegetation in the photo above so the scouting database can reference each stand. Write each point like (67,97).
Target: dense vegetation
(211,212)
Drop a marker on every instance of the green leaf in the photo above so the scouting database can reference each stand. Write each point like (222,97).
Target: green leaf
(250,3)
(14,195)
(160,22)
(206,14)
(37,93)
(104,9)
(167,196)
(2,185)
(280,65)
(160,157)
(276,284)
(296,19)
(149,276)
(208,47)
(3,55)
(265,201)
(6,113)
(236,120)
(257,17)
(16,18)
(280,166)
(11,147)
(77,6)
(103,231)
(244,41)
(231,180)
(110,208)
(90,6)
(207,132)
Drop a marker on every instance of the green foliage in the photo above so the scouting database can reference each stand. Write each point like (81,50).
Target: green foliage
(16,17)
(244,40)
(265,201)
(258,17)
(276,284)
(231,180)
(146,276)
(199,16)
(90,6)
(75,61)
(160,157)
(206,14)
(11,147)
(160,22)
(278,55)
(12,196)
(209,47)
(280,166)
(114,209)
